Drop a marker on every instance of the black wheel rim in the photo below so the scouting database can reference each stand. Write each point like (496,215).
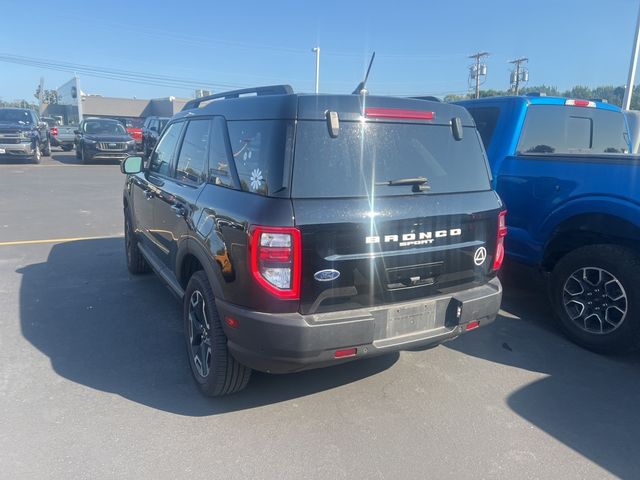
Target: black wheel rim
(199,334)
(595,300)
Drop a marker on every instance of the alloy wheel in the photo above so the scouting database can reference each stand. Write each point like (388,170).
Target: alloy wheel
(199,334)
(595,300)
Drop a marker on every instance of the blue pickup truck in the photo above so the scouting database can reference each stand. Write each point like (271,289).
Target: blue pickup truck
(572,193)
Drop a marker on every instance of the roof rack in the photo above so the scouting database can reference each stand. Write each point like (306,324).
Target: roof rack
(270,90)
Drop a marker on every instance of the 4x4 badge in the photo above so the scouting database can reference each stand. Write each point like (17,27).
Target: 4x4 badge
(326,275)
(480,256)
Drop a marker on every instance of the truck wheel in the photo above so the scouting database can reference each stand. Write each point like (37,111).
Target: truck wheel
(37,156)
(46,151)
(213,367)
(136,263)
(595,293)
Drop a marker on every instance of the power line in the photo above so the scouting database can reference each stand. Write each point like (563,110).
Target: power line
(118,74)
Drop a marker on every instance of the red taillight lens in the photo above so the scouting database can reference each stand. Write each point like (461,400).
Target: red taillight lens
(580,103)
(347,352)
(399,113)
(276,260)
(54,131)
(502,232)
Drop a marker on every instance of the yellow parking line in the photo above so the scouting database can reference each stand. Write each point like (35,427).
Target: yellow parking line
(56,240)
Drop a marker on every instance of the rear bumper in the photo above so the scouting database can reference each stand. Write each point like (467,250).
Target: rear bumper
(283,343)
(16,149)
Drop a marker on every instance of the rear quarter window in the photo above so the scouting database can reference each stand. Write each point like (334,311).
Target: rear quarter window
(486,119)
(560,129)
(259,150)
(364,155)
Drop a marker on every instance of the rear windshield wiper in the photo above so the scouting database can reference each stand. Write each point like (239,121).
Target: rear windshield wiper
(417,182)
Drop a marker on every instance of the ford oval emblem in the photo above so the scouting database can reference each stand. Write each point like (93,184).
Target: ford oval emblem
(326,275)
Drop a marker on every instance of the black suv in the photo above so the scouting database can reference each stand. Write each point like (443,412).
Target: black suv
(102,139)
(23,135)
(151,130)
(303,231)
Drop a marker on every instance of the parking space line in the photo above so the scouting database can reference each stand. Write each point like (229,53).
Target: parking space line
(56,240)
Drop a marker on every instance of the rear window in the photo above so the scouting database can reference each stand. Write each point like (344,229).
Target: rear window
(559,129)
(486,119)
(364,154)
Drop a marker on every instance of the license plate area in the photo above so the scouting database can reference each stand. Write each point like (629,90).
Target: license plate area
(410,319)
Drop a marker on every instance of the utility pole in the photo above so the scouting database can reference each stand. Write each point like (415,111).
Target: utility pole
(626,102)
(520,74)
(41,96)
(316,50)
(478,70)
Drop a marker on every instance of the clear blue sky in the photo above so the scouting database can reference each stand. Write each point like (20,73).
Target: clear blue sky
(421,46)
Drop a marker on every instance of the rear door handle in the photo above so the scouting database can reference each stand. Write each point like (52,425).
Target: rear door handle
(178,209)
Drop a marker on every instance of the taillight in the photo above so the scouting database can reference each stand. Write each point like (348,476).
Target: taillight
(54,131)
(580,103)
(276,260)
(502,232)
(399,113)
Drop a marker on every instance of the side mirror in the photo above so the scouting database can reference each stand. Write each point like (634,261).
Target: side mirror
(132,164)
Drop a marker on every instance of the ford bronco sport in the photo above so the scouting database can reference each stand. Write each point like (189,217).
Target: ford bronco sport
(303,231)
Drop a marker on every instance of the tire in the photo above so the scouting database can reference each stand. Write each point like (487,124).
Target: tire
(37,155)
(66,148)
(46,151)
(78,154)
(219,374)
(595,294)
(83,156)
(136,263)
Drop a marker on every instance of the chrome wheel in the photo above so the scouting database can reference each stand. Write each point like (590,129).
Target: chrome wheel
(595,300)
(199,334)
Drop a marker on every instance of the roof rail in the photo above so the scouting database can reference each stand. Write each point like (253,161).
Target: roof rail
(270,90)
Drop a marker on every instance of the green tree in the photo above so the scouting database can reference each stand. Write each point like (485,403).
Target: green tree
(49,96)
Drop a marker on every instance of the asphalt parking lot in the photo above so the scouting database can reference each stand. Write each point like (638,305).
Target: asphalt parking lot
(94,382)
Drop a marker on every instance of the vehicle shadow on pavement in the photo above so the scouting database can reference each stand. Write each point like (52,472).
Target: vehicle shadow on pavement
(121,334)
(69,158)
(587,401)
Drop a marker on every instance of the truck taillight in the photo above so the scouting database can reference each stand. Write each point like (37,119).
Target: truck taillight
(580,103)
(276,260)
(502,232)
(54,131)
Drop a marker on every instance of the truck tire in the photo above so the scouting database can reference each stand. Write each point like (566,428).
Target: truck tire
(595,293)
(136,263)
(37,155)
(213,367)
(46,151)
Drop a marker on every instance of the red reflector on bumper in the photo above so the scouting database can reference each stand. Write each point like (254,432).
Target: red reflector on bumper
(347,352)
(472,325)
(232,322)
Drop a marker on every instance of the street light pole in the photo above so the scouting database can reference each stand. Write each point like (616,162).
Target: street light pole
(626,102)
(316,50)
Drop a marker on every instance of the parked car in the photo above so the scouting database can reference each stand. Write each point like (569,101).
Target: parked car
(561,166)
(63,136)
(102,139)
(23,135)
(134,129)
(301,231)
(151,131)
